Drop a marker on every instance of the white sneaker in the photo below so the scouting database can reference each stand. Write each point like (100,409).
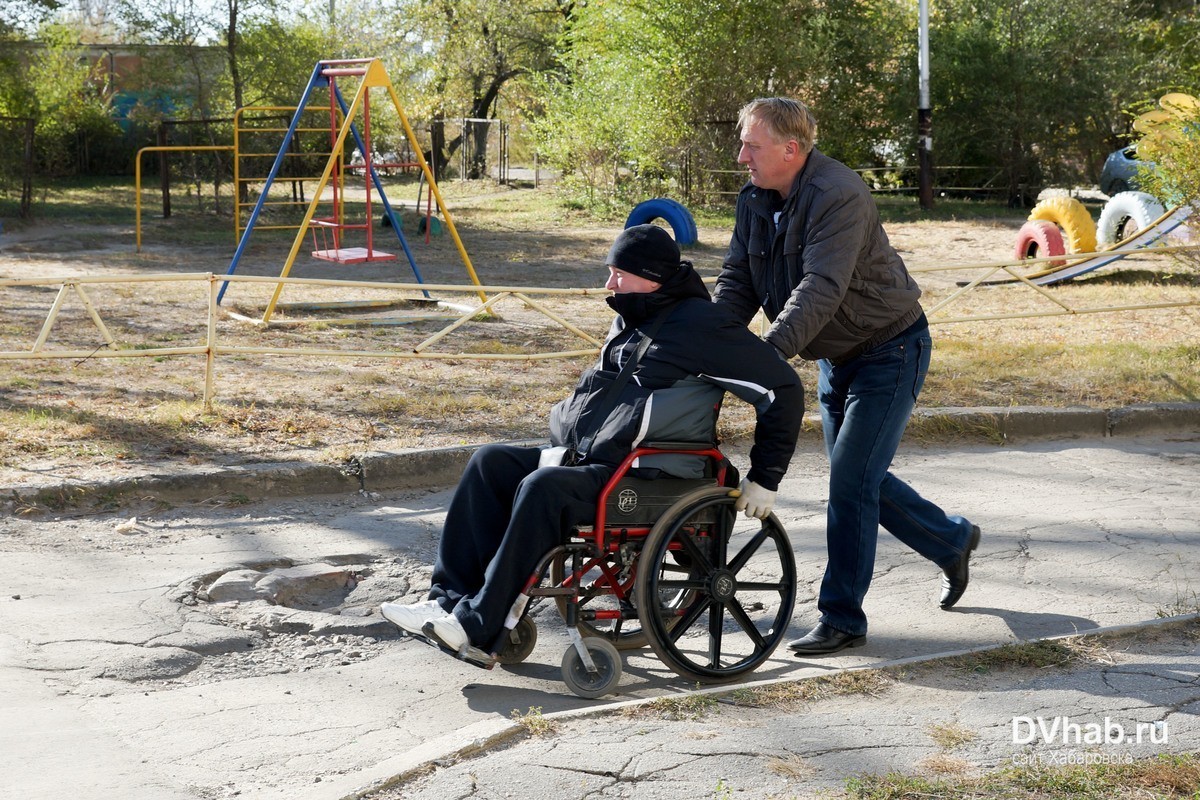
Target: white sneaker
(449,631)
(412,617)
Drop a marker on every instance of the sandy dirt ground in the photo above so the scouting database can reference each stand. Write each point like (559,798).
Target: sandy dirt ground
(308,387)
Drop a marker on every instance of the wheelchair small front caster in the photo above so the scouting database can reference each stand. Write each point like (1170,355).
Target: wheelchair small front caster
(587,684)
(518,643)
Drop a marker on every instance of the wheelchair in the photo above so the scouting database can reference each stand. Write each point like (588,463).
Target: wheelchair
(668,563)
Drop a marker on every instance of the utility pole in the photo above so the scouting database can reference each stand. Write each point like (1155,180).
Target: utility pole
(924,113)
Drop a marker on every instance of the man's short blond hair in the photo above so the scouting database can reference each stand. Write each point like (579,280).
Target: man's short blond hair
(784,118)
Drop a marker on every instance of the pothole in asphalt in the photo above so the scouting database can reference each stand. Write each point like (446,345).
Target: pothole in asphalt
(280,616)
(350,586)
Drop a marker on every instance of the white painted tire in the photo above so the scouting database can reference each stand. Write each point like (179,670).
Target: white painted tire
(1140,207)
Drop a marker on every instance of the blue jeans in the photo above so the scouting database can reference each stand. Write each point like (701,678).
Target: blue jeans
(865,406)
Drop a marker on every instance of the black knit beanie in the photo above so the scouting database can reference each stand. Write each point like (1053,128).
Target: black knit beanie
(647,251)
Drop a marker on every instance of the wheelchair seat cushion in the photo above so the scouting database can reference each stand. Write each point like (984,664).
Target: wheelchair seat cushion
(637,502)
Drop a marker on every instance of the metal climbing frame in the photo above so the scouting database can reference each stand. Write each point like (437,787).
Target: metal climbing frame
(256,132)
(329,231)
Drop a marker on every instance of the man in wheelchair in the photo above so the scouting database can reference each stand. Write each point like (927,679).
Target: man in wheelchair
(669,357)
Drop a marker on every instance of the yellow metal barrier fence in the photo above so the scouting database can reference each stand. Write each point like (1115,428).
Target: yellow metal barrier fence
(1011,276)
(212,348)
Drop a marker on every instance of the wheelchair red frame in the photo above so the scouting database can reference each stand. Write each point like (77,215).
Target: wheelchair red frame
(715,616)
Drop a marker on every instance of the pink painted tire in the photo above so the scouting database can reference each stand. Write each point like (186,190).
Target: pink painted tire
(1040,238)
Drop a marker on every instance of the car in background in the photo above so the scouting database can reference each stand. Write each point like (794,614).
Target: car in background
(1120,172)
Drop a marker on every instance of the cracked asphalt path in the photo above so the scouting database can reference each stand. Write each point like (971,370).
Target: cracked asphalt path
(119,680)
(939,719)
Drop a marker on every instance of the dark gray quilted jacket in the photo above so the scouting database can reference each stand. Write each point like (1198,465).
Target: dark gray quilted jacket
(825,275)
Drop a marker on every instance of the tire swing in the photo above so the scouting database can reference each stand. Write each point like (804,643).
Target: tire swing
(674,213)
(1142,208)
(1040,238)
(1079,230)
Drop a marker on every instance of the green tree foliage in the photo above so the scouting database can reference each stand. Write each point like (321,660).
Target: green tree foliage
(25,15)
(615,106)
(1030,90)
(280,59)
(17,97)
(630,97)
(471,51)
(1166,34)
(646,85)
(471,54)
(68,99)
(862,79)
(1025,92)
(1173,147)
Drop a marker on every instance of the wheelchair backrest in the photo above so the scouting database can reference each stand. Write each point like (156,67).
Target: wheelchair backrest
(685,412)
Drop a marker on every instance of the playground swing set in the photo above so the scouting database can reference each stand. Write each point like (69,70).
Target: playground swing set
(331,234)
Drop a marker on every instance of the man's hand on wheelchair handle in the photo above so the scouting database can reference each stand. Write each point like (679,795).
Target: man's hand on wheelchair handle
(755,500)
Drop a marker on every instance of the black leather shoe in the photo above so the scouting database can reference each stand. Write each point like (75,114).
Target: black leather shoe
(956,576)
(823,640)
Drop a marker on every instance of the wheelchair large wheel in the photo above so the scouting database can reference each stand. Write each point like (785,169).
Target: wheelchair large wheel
(597,593)
(592,684)
(739,574)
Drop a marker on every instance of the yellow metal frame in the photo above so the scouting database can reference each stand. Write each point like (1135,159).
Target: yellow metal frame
(240,129)
(211,347)
(1014,278)
(137,176)
(373,76)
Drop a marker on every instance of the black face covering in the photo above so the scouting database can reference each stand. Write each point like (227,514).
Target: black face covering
(637,307)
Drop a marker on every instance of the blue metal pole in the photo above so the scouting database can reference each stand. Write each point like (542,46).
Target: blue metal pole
(317,79)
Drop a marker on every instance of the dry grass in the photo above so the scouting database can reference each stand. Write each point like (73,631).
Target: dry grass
(676,707)
(1071,651)
(795,696)
(1028,655)
(84,418)
(533,723)
(949,735)
(943,764)
(1163,777)
(792,767)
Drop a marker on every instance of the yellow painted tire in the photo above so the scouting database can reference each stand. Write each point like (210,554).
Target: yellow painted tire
(1079,229)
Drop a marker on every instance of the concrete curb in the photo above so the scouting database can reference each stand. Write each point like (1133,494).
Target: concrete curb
(1023,423)
(374,471)
(417,469)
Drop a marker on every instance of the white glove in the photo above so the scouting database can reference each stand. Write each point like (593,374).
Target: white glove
(755,500)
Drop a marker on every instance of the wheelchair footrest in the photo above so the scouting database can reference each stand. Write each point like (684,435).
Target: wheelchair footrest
(472,655)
